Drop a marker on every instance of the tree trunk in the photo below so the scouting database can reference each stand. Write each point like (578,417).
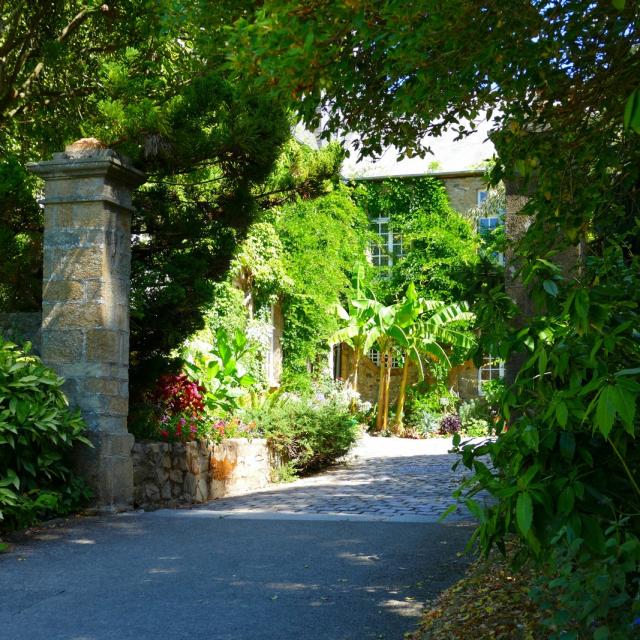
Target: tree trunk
(354,380)
(387,390)
(381,416)
(402,392)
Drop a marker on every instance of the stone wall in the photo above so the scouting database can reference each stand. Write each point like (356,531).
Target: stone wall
(463,190)
(463,379)
(369,376)
(168,475)
(22,326)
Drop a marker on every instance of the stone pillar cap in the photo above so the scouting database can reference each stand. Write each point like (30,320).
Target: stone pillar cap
(84,144)
(88,157)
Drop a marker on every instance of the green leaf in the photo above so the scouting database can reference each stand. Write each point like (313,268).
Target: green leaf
(448,511)
(342,312)
(524,513)
(528,476)
(550,287)
(625,403)
(581,303)
(631,117)
(542,362)
(562,414)
(566,500)
(605,410)
(628,372)
(531,437)
(602,633)
(475,509)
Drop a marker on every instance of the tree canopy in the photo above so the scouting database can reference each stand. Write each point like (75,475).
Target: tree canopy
(559,82)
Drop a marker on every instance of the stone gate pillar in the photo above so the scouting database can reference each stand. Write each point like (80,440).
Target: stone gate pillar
(85,303)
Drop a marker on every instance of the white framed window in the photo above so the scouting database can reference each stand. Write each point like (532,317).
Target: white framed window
(397,361)
(492,369)
(489,221)
(390,245)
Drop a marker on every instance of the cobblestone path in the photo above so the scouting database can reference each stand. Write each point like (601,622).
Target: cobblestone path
(385,479)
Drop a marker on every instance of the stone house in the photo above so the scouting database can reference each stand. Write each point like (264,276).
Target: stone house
(466,190)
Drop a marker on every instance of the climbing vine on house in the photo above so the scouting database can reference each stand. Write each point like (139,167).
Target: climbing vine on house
(324,240)
(439,244)
(301,252)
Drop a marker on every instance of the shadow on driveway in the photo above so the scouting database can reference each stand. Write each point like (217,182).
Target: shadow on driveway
(151,576)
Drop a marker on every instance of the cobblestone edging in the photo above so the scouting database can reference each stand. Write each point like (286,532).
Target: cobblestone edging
(169,475)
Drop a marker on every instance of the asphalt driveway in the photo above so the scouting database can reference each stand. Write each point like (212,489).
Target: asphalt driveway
(259,567)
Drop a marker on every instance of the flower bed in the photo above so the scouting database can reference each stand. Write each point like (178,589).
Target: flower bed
(182,473)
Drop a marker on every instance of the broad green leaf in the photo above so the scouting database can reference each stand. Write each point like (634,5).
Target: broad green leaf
(531,437)
(550,287)
(582,304)
(562,413)
(528,476)
(619,5)
(625,404)
(435,349)
(542,361)
(524,513)
(566,501)
(342,312)
(605,410)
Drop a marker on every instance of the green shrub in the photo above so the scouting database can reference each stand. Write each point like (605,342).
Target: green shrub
(221,371)
(477,428)
(307,435)
(493,390)
(430,397)
(422,423)
(476,419)
(37,433)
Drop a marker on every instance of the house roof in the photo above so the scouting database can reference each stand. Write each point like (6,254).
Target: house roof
(463,173)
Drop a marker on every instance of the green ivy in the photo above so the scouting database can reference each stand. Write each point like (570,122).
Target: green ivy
(324,240)
(441,246)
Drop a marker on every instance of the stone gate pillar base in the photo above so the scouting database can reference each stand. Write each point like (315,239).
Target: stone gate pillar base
(85,304)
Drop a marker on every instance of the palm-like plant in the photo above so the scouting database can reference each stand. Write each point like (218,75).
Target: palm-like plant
(384,324)
(422,327)
(415,325)
(357,333)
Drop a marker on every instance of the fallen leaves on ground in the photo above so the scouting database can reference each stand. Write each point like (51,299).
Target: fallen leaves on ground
(490,602)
